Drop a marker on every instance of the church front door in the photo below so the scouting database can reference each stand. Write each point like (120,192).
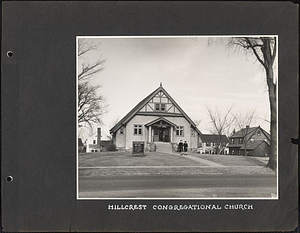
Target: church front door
(161,134)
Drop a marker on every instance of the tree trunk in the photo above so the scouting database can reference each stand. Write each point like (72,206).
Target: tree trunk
(272,163)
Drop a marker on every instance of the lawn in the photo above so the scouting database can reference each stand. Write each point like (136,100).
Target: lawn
(126,159)
(124,164)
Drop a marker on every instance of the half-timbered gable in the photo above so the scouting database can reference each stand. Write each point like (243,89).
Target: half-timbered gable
(160,103)
(156,119)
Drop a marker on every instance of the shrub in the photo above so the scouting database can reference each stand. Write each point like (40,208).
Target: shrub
(111,147)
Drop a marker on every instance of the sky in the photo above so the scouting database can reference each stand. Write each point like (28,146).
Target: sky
(193,72)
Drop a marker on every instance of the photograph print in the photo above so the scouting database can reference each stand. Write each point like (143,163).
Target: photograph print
(177,117)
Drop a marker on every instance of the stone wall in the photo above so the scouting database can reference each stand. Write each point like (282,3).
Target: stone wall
(150,146)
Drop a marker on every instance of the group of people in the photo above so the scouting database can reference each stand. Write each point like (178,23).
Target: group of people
(183,147)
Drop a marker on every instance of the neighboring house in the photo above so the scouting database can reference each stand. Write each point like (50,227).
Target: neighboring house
(93,142)
(155,119)
(255,141)
(212,144)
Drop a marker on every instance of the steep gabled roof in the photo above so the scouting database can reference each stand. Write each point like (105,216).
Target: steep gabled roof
(234,145)
(212,138)
(142,103)
(243,132)
(253,145)
(248,133)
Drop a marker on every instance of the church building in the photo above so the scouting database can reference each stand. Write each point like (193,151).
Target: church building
(157,119)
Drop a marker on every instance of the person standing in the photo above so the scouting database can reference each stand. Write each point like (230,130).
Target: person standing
(185,146)
(180,147)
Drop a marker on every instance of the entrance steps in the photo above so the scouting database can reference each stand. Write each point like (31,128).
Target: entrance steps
(164,147)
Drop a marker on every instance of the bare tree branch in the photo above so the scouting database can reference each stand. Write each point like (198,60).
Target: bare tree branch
(219,121)
(86,45)
(242,120)
(255,52)
(88,70)
(91,105)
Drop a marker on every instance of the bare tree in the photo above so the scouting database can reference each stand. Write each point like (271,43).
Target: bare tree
(112,124)
(220,122)
(264,49)
(91,104)
(88,69)
(243,122)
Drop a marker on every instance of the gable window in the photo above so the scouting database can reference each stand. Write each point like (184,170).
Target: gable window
(179,131)
(157,107)
(137,129)
(122,130)
(94,142)
(160,107)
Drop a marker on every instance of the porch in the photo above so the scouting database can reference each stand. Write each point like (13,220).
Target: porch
(161,130)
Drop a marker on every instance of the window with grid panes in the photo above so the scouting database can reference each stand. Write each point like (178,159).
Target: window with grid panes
(179,131)
(137,129)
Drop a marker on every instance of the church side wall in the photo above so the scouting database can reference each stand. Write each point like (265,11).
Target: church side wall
(194,141)
(120,139)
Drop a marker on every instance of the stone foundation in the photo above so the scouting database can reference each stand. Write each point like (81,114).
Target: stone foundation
(174,147)
(150,147)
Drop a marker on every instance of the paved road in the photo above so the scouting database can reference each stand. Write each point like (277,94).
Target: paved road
(181,186)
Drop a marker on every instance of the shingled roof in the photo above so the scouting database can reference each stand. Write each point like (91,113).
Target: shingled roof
(212,138)
(141,104)
(253,145)
(243,132)
(248,132)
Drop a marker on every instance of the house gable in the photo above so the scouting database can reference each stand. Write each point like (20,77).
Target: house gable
(161,104)
(258,134)
(158,103)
